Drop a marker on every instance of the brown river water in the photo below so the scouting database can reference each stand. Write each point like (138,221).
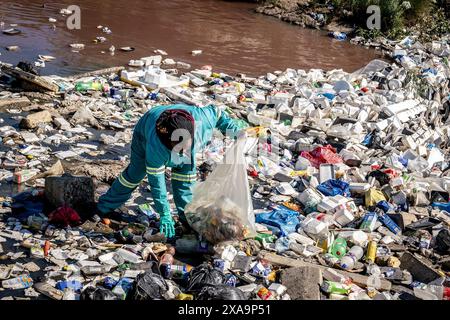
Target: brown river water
(234,38)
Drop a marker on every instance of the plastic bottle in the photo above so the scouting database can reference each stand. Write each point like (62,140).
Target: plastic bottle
(47,246)
(89,85)
(94,270)
(371,253)
(339,248)
(166,260)
(335,287)
(349,260)
(21,282)
(178,271)
(128,255)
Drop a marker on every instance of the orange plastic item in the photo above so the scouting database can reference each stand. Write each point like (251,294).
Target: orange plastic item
(46,248)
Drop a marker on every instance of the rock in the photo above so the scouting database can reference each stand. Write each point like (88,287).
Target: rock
(61,123)
(70,106)
(84,116)
(29,137)
(75,191)
(31,121)
(291,5)
(14,103)
(104,171)
(303,283)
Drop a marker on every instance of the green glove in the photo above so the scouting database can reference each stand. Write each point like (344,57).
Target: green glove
(167,225)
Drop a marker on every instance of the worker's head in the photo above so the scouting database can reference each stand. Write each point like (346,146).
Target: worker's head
(175,129)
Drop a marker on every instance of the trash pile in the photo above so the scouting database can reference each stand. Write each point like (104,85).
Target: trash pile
(348,177)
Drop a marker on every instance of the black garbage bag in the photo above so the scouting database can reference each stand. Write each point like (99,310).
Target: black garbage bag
(221,292)
(97,293)
(443,241)
(149,286)
(380,176)
(203,275)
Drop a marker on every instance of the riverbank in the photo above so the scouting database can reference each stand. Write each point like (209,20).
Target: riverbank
(397,18)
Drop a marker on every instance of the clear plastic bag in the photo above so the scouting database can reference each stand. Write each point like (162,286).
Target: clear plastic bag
(221,208)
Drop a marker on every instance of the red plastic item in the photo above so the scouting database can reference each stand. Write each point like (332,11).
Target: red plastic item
(65,216)
(391,172)
(446,295)
(321,155)
(252,173)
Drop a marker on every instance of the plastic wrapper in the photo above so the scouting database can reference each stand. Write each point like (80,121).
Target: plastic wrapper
(221,208)
(334,187)
(149,286)
(203,275)
(321,155)
(221,292)
(284,219)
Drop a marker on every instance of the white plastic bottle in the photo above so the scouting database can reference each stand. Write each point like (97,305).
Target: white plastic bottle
(349,260)
(21,282)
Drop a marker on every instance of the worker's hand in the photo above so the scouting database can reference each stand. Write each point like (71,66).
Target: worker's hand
(167,225)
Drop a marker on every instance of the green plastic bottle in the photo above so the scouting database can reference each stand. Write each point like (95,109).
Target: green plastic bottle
(89,85)
(265,237)
(339,247)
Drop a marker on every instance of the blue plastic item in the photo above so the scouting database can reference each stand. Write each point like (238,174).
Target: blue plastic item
(403,161)
(71,284)
(389,223)
(329,96)
(109,283)
(367,139)
(282,218)
(282,244)
(334,187)
(338,35)
(384,205)
(441,206)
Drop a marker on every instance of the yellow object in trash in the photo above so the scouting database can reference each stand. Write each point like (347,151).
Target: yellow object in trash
(299,173)
(393,262)
(272,276)
(373,196)
(184,296)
